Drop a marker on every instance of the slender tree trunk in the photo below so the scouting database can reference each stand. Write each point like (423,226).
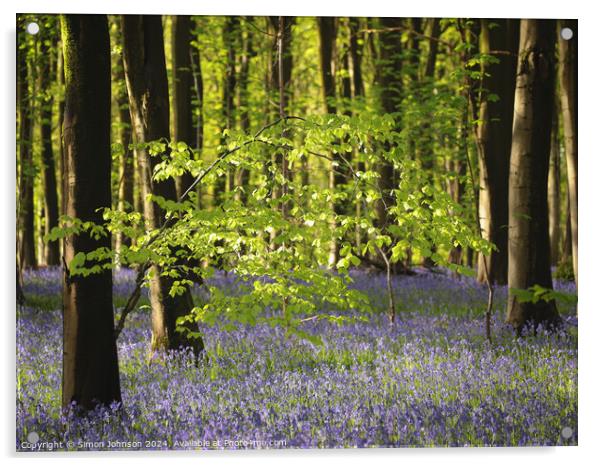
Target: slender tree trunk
(528,240)
(280,79)
(146,77)
(494,140)
(568,99)
(60,79)
(355,55)
(230,37)
(182,84)
(457,167)
(90,367)
(391,91)
(125,198)
(425,150)
(197,75)
(567,241)
(246,38)
(327,27)
(554,193)
(27,251)
(51,203)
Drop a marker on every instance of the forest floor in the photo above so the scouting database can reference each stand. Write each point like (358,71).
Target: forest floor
(432,380)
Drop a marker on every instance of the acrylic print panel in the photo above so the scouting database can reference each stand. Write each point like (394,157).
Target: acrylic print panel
(295,232)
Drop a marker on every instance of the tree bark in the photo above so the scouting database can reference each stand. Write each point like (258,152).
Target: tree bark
(27,250)
(390,83)
(494,139)
(90,367)
(528,240)
(568,99)
(51,203)
(146,78)
(182,84)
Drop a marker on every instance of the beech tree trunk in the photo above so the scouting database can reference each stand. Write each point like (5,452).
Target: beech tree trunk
(27,249)
(125,198)
(146,78)
(567,50)
(494,141)
(51,203)
(528,240)
(391,91)
(327,28)
(90,367)
(182,85)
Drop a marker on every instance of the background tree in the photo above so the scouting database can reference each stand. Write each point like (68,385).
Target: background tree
(27,250)
(126,174)
(146,77)
(567,50)
(327,27)
(90,369)
(390,91)
(528,240)
(554,192)
(51,207)
(182,85)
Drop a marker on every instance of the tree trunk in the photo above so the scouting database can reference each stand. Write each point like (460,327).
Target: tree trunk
(182,84)
(146,78)
(568,99)
(125,200)
(327,28)
(230,37)
(27,250)
(554,193)
(528,240)
(356,53)
(494,140)
(246,38)
(425,150)
(51,203)
(197,76)
(280,80)
(494,136)
(390,84)
(90,367)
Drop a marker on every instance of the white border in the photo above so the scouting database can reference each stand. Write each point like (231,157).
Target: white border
(589,203)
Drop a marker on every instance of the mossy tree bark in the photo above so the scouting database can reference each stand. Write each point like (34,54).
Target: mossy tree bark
(90,367)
